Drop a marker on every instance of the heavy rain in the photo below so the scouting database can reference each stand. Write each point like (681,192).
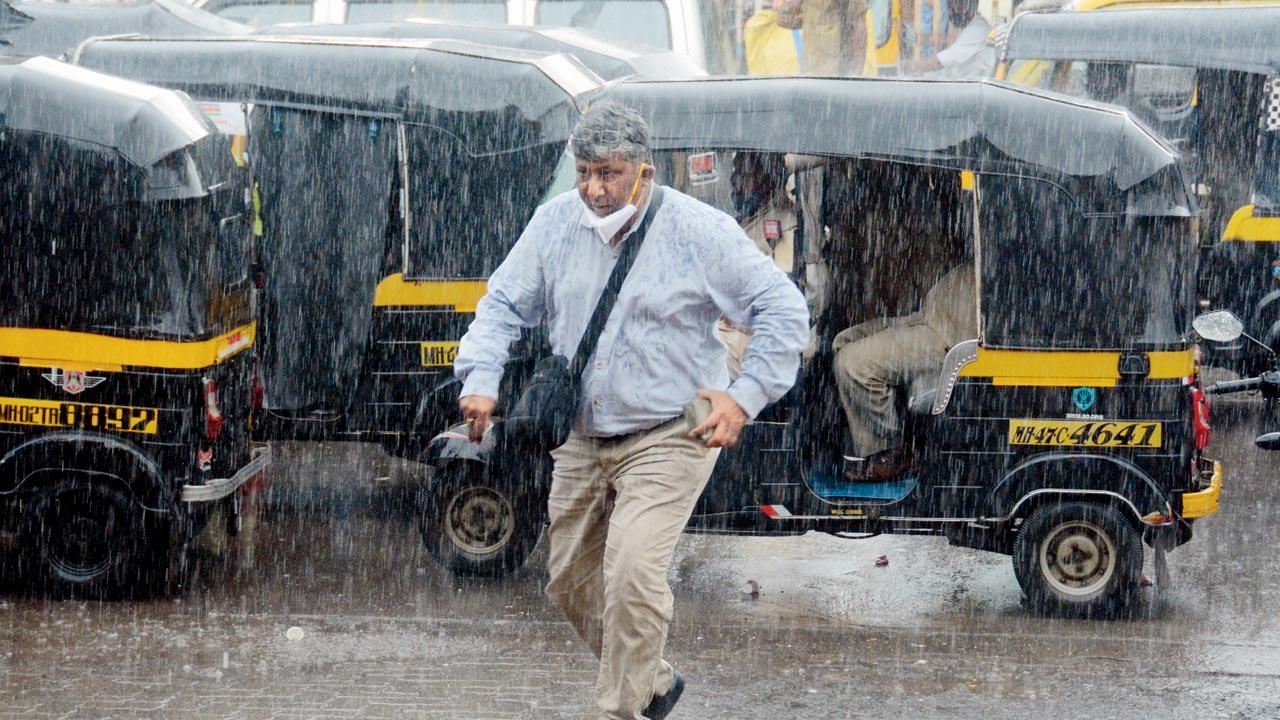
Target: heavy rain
(390,359)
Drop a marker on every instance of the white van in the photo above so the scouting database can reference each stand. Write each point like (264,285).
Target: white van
(693,27)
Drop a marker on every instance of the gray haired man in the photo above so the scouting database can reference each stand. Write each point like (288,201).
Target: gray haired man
(626,481)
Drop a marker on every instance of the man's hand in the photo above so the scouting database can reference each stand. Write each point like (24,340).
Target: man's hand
(476,410)
(725,421)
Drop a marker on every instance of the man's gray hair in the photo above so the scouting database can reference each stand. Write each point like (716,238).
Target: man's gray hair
(611,130)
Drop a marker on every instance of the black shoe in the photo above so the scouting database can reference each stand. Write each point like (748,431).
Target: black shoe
(660,706)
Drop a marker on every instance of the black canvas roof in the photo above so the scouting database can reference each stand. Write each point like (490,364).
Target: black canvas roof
(143,124)
(979,125)
(1227,38)
(56,28)
(493,99)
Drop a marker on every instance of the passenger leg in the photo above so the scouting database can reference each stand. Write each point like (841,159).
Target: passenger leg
(735,340)
(869,369)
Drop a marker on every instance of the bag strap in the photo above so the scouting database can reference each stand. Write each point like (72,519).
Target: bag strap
(630,248)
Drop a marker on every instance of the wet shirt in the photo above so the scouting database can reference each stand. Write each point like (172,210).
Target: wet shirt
(658,347)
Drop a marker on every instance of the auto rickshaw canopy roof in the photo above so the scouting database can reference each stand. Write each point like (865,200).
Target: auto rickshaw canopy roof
(143,124)
(981,125)
(54,28)
(492,99)
(604,59)
(1226,38)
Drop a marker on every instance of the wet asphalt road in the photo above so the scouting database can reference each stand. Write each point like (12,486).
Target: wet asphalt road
(938,633)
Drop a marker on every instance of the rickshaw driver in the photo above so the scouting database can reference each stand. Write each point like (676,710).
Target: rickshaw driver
(767,215)
(876,357)
(625,483)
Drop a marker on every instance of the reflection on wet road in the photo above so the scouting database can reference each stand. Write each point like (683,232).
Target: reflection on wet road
(937,633)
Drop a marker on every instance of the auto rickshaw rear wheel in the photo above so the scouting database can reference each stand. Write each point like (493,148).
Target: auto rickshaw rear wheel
(90,539)
(1078,559)
(476,524)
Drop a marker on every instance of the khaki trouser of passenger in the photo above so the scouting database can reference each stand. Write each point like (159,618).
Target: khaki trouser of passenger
(617,507)
(872,359)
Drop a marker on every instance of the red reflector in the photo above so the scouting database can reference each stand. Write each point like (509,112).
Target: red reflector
(212,413)
(1200,417)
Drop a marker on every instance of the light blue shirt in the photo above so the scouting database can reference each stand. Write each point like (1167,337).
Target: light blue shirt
(659,345)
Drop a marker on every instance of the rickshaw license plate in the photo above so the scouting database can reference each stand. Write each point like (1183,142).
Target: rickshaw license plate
(1085,433)
(56,414)
(439,354)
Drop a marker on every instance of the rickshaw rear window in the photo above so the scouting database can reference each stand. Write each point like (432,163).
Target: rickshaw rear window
(81,252)
(466,212)
(1053,277)
(1266,179)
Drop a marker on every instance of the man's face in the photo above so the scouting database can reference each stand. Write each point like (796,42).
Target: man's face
(790,14)
(962,12)
(605,185)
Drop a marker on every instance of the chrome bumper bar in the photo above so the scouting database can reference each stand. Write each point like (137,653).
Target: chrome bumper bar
(219,488)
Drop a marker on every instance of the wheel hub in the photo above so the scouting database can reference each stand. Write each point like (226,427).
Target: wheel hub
(479,520)
(1077,558)
(80,536)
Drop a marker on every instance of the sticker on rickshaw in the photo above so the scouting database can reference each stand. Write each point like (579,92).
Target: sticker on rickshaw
(439,354)
(702,169)
(55,414)
(1076,433)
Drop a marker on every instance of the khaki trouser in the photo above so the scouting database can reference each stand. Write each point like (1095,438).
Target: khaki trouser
(618,506)
(872,359)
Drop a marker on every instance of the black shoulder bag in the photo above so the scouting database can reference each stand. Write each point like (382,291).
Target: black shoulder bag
(542,416)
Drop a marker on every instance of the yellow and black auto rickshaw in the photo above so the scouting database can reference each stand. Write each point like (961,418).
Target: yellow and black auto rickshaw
(126,327)
(392,176)
(1205,76)
(1067,433)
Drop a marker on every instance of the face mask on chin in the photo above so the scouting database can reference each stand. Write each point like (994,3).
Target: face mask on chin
(609,225)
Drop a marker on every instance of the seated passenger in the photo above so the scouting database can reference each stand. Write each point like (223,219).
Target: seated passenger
(874,358)
(767,215)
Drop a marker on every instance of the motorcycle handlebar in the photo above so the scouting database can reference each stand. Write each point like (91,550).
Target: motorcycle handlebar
(1235,386)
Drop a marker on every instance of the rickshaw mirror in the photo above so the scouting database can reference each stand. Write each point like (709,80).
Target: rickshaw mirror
(1218,326)
(1269,441)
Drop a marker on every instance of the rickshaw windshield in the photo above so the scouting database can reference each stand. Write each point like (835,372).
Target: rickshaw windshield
(86,254)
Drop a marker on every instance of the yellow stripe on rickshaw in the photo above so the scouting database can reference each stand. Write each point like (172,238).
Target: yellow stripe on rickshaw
(1069,368)
(86,351)
(461,295)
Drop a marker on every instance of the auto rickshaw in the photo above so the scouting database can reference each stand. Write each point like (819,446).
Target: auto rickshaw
(126,321)
(1204,77)
(392,176)
(1066,434)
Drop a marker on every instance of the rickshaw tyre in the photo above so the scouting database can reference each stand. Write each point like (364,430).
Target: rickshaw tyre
(91,541)
(1095,529)
(503,509)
